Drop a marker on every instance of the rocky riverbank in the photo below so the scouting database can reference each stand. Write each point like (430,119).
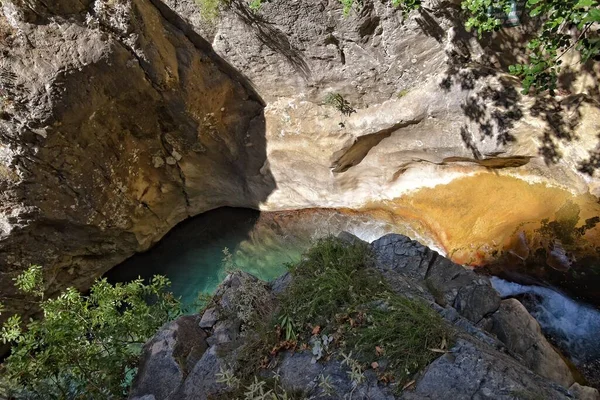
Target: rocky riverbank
(489,347)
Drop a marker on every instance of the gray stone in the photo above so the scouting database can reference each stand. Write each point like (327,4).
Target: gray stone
(401,254)
(225,331)
(201,383)
(280,284)
(168,357)
(209,318)
(521,333)
(474,371)
(450,284)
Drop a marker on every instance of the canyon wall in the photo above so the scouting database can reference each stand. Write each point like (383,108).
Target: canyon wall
(121,118)
(430,100)
(116,124)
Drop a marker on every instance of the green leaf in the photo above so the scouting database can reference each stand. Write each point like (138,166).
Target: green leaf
(585,3)
(593,16)
(536,11)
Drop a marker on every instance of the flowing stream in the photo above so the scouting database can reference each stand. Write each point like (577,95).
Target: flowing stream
(572,326)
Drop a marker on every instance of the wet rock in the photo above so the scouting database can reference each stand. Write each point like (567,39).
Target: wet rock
(521,333)
(557,257)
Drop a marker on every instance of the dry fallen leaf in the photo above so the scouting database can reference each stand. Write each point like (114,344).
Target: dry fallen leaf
(316,330)
(409,384)
(378,350)
(438,351)
(374,365)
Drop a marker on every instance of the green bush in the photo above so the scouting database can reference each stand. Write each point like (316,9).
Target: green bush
(84,346)
(336,288)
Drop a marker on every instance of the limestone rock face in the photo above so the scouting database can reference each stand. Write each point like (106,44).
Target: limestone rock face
(430,101)
(117,122)
(118,119)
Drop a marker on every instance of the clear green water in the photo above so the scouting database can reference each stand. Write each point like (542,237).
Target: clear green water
(263,244)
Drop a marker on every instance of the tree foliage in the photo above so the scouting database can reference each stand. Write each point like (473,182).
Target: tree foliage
(85,346)
(565,25)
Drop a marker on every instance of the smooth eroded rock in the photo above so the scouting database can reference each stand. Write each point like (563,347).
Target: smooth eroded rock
(521,333)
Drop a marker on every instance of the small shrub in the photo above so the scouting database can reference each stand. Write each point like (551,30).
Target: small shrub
(403,93)
(255,5)
(337,301)
(405,5)
(342,105)
(256,389)
(84,346)
(331,277)
(209,9)
(405,332)
(251,301)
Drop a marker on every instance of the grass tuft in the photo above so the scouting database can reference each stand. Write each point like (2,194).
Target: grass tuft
(407,334)
(342,307)
(332,277)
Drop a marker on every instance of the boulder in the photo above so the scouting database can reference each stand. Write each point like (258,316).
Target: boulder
(472,371)
(450,284)
(168,358)
(521,333)
(401,254)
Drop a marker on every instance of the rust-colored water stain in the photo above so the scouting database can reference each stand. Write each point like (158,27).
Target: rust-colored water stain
(474,217)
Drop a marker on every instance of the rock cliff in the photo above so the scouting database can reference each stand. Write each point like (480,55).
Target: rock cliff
(430,100)
(117,122)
